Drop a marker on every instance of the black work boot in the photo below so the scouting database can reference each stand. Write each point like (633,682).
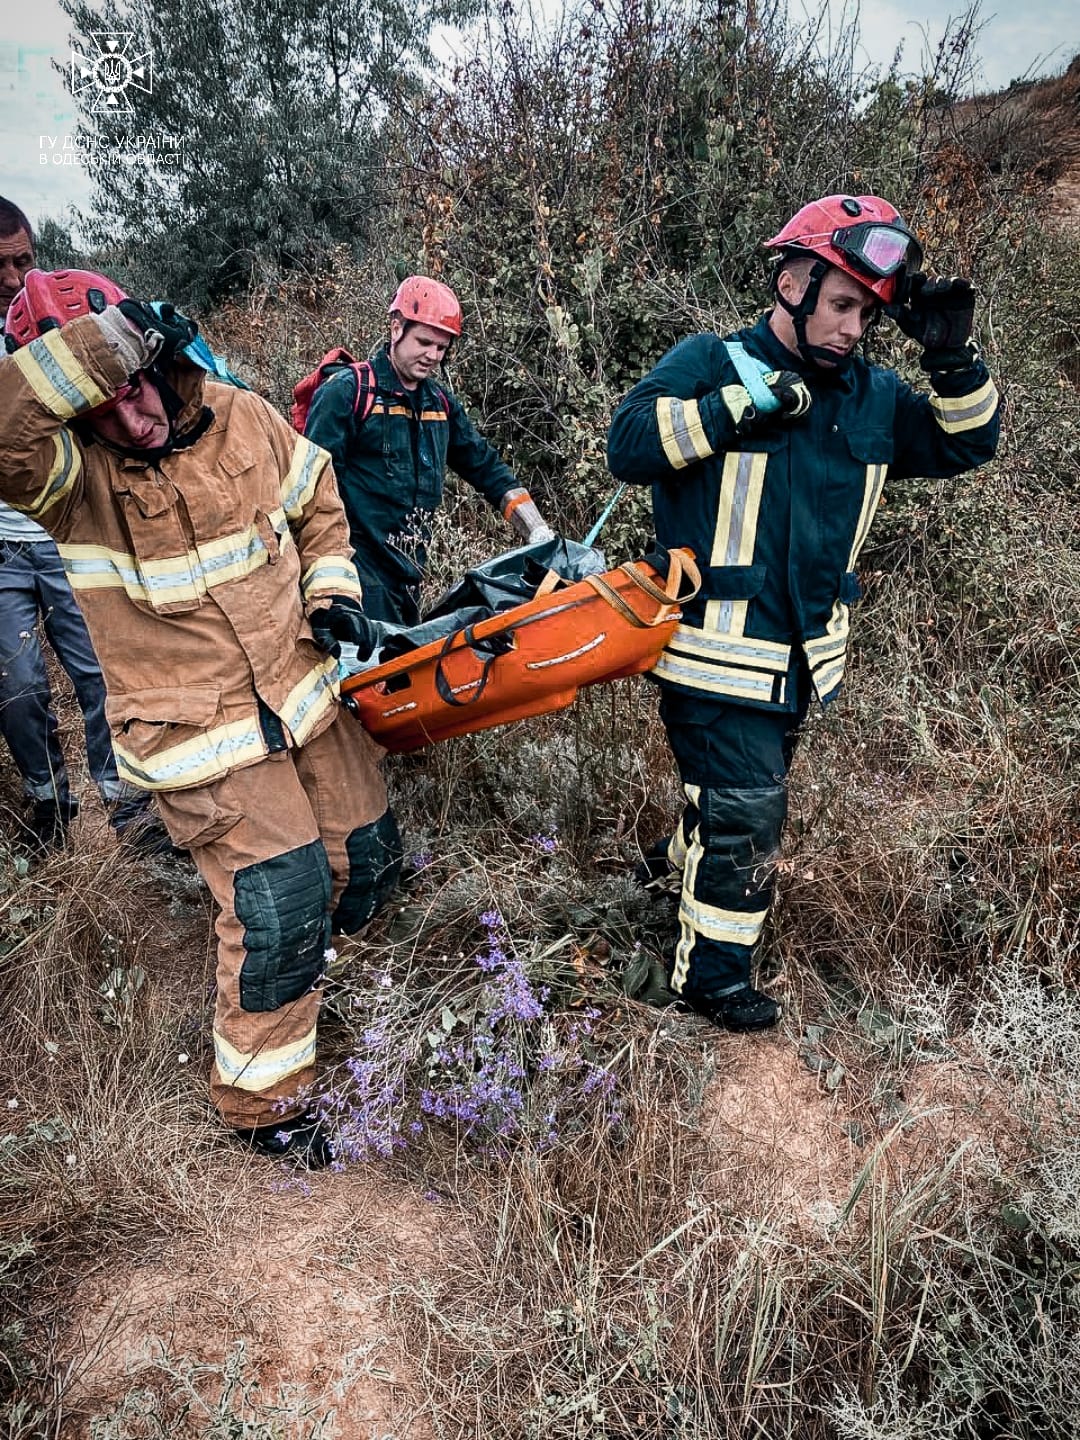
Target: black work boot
(656,873)
(48,822)
(138,829)
(742,1011)
(304,1140)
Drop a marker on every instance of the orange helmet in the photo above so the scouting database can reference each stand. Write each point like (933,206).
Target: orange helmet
(49,299)
(862,235)
(427,302)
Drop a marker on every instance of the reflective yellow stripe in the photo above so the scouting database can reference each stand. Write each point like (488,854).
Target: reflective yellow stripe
(828,647)
(308,463)
(873,485)
(307,702)
(263,1069)
(720,679)
(957,413)
(696,917)
(828,678)
(771,655)
(691,858)
(331,575)
(677,845)
(730,927)
(826,654)
(737,514)
(194,762)
(65,470)
(735,535)
(57,378)
(681,432)
(174,578)
(433,415)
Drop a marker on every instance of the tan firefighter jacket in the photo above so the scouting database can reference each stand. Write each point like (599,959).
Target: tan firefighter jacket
(195,573)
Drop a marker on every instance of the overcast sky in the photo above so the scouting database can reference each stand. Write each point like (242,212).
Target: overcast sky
(34,104)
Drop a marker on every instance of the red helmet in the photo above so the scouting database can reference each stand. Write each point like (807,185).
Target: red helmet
(49,299)
(860,234)
(427,302)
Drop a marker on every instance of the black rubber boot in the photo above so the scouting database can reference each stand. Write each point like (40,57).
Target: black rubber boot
(743,1011)
(303,1140)
(138,829)
(48,822)
(656,873)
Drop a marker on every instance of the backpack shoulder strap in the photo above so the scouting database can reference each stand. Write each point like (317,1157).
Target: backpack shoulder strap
(367,389)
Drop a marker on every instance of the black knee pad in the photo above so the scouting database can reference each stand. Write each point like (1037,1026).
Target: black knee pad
(283,904)
(748,823)
(375,856)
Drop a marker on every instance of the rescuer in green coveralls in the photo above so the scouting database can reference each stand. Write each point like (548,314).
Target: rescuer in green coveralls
(767,453)
(391,461)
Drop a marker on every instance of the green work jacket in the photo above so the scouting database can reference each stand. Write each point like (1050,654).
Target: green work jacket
(391,467)
(777,519)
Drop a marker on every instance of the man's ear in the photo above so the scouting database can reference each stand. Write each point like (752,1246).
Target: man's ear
(791,285)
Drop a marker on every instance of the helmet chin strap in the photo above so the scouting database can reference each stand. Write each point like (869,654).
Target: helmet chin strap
(800,313)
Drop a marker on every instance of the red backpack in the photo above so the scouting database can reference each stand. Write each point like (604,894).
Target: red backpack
(336,359)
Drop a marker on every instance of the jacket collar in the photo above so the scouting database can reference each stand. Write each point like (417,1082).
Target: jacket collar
(424,397)
(776,353)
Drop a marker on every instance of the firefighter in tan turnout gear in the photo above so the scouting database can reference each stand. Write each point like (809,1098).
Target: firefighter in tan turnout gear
(207,546)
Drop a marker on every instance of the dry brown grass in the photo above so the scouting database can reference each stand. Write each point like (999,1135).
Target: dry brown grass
(861,1228)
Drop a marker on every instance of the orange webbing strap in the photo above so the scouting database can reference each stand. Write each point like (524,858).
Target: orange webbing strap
(680,563)
(551,581)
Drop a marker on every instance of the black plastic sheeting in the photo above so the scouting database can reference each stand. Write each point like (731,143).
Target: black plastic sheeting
(502,583)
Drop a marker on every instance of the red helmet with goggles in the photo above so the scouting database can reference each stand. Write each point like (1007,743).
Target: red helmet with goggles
(49,299)
(862,235)
(427,302)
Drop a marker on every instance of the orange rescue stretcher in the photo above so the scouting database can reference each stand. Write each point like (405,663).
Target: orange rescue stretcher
(526,661)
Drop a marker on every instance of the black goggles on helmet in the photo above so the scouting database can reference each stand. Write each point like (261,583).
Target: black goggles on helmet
(879,249)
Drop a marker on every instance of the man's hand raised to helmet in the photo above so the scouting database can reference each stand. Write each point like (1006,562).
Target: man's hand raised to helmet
(939,314)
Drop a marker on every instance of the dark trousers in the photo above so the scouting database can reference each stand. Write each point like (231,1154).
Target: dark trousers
(733,762)
(32,586)
(391,598)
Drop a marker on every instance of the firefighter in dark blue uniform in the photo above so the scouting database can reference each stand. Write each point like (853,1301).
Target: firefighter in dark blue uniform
(391,463)
(767,453)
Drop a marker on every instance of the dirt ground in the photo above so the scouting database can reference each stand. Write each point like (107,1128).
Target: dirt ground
(303,1270)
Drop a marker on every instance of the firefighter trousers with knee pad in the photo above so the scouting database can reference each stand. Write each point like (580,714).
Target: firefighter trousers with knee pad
(733,762)
(292,848)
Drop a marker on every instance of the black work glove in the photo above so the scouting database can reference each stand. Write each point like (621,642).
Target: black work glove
(175,330)
(344,621)
(791,391)
(939,314)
